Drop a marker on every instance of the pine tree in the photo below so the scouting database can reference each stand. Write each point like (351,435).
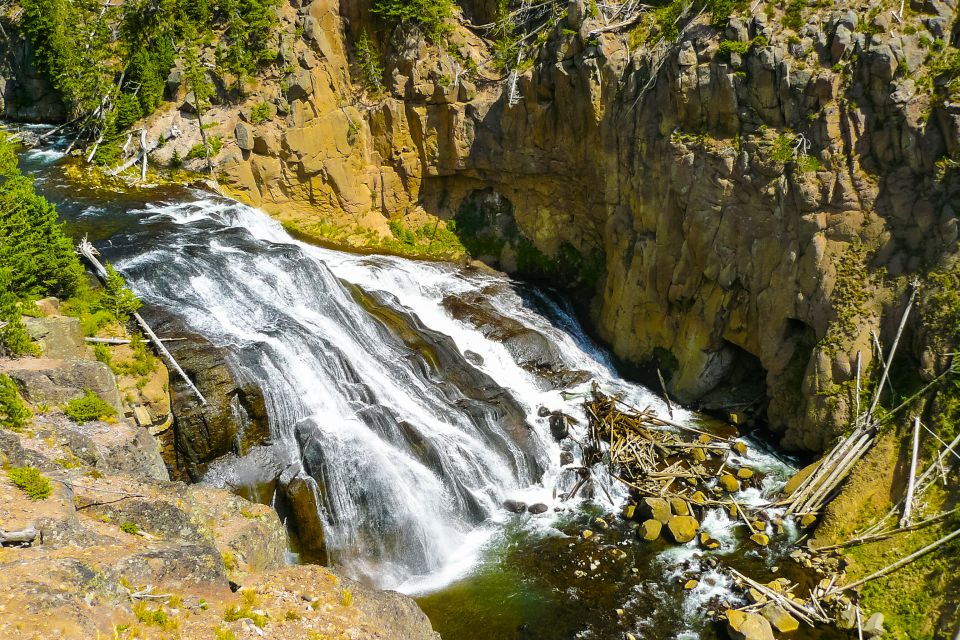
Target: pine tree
(368,60)
(14,339)
(117,298)
(33,246)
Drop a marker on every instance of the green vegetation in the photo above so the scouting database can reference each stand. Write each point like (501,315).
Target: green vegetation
(260,113)
(721,10)
(14,414)
(667,17)
(117,298)
(110,62)
(36,256)
(369,64)
(851,293)
(734,46)
(246,609)
(89,407)
(154,617)
(33,246)
(793,14)
(940,308)
(129,527)
(248,24)
(31,482)
(214,145)
(430,15)
(438,240)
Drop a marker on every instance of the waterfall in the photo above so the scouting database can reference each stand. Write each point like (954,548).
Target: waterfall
(414,425)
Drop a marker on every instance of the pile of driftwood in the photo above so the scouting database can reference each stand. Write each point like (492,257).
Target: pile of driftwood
(671,469)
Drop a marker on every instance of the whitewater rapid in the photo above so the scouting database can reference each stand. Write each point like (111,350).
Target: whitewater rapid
(337,384)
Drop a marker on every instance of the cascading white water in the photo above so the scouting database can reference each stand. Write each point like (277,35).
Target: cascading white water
(410,470)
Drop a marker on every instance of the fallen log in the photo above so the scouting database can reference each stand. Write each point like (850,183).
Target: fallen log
(896,565)
(119,341)
(22,537)
(90,253)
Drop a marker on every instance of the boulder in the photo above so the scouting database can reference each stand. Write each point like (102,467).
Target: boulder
(558,426)
(680,506)
(761,539)
(243,133)
(514,506)
(56,382)
(650,529)
(538,508)
(873,627)
(683,528)
(59,336)
(303,496)
(48,306)
(656,509)
(707,542)
(744,474)
(729,483)
(748,626)
(779,618)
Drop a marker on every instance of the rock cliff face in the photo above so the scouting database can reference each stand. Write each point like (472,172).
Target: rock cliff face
(733,214)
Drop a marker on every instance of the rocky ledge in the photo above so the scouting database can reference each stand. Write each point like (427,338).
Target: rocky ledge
(108,546)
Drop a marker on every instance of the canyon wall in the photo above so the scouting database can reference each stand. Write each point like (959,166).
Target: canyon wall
(725,211)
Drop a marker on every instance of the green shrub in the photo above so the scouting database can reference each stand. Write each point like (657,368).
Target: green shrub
(215,143)
(103,354)
(721,10)
(14,414)
(735,46)
(260,113)
(666,18)
(89,407)
(793,15)
(431,15)
(31,482)
(129,527)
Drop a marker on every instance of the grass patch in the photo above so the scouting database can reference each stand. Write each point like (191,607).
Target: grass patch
(154,617)
(250,600)
(31,482)
(130,527)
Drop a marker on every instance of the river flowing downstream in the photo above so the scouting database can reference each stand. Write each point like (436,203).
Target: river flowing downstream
(410,393)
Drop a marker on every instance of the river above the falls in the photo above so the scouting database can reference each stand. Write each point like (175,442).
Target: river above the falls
(411,393)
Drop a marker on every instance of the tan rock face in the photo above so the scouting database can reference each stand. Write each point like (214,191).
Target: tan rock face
(712,247)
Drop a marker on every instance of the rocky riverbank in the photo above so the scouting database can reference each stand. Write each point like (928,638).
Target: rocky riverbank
(117,547)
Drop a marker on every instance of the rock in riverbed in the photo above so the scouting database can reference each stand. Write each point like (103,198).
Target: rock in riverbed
(683,528)
(515,506)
